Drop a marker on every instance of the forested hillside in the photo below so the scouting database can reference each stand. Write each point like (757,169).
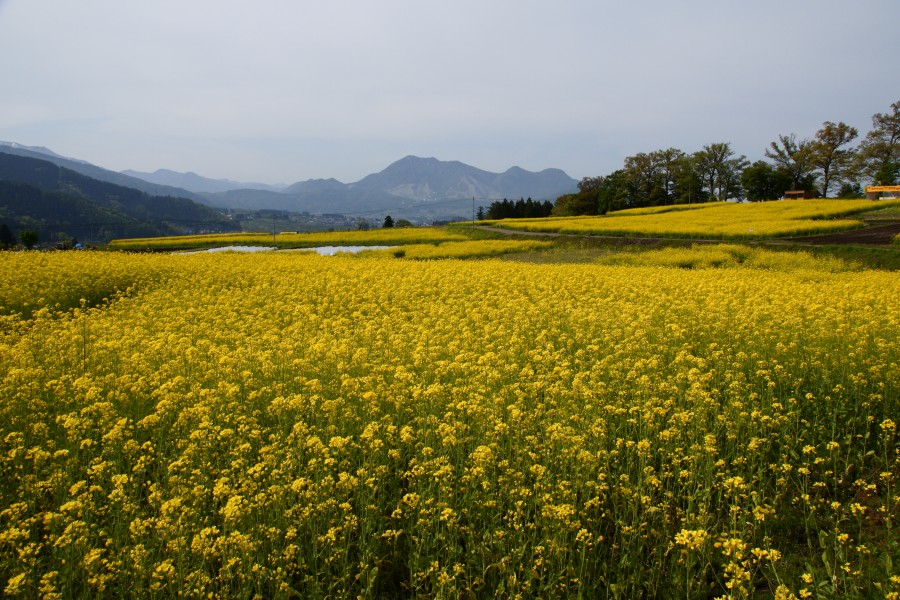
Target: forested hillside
(61,204)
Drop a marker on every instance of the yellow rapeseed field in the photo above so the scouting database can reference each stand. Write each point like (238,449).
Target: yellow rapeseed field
(289,425)
(729,256)
(369,237)
(720,220)
(467,249)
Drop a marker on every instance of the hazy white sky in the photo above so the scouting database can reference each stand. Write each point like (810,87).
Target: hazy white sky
(287,90)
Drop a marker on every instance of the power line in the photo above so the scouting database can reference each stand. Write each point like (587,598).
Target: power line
(407,207)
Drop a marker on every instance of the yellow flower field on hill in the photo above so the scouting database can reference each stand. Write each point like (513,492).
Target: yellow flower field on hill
(289,425)
(714,221)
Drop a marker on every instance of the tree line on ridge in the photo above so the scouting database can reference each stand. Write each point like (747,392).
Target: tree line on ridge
(826,165)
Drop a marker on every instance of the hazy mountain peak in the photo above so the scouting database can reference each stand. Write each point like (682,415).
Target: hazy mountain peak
(39,150)
(426,179)
(412,158)
(315,185)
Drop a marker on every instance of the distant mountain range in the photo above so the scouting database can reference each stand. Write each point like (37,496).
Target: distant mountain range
(412,187)
(192,182)
(411,178)
(61,204)
(421,189)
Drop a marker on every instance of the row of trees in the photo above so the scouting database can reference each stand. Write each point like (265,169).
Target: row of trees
(519,209)
(826,163)
(390,222)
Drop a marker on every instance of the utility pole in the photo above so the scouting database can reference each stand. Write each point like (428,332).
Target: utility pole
(473,213)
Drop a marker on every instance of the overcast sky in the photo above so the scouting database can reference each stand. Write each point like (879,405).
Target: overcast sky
(279,91)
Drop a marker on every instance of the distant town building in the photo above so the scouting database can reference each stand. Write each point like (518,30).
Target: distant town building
(798,195)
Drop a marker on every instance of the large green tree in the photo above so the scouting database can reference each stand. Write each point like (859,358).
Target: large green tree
(29,238)
(879,152)
(7,239)
(645,181)
(762,181)
(688,184)
(796,158)
(668,163)
(720,170)
(660,177)
(831,157)
(582,202)
(612,192)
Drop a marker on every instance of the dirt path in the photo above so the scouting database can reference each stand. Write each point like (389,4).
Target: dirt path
(609,238)
(881,235)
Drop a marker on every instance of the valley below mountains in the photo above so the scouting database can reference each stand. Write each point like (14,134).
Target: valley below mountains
(420,189)
(67,198)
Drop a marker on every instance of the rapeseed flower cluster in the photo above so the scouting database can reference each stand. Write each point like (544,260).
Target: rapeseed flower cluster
(286,424)
(730,256)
